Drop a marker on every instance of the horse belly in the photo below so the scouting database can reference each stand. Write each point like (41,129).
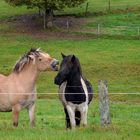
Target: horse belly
(75,98)
(28,101)
(5,108)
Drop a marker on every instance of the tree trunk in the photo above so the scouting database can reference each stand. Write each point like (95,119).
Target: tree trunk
(44,20)
(48,18)
(39,13)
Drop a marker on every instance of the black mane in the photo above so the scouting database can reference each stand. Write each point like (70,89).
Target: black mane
(25,59)
(76,63)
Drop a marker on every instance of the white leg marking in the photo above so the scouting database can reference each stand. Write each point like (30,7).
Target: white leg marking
(84,112)
(71,112)
(32,115)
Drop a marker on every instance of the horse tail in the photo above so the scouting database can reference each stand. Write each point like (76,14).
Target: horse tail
(77,118)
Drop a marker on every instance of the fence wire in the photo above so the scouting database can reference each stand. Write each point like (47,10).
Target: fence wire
(93,6)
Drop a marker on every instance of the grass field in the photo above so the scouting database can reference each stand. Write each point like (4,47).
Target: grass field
(94,6)
(117,24)
(116,59)
(125,125)
(102,6)
(8,11)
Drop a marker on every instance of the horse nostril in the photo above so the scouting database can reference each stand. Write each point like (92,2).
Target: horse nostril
(54,64)
(57,62)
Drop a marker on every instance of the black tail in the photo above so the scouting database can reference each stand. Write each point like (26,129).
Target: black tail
(77,118)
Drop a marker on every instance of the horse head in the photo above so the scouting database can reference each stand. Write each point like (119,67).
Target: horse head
(69,67)
(43,61)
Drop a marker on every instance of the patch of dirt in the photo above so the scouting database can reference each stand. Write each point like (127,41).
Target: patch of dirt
(64,27)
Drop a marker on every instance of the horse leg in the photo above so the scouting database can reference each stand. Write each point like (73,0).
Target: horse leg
(67,119)
(15,110)
(77,118)
(71,113)
(84,112)
(32,115)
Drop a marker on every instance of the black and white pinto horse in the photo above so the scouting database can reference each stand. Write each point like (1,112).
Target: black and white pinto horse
(75,91)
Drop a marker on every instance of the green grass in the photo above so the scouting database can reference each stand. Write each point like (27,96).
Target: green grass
(123,24)
(127,19)
(125,125)
(8,11)
(114,60)
(96,6)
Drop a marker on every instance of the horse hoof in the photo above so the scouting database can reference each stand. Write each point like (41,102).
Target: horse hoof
(32,125)
(15,124)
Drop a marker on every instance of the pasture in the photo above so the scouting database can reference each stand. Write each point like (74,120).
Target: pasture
(114,58)
(50,124)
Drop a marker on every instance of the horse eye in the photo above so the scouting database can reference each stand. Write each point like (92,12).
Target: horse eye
(40,59)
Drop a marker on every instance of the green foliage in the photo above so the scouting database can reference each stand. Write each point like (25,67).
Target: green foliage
(7,10)
(46,4)
(18,2)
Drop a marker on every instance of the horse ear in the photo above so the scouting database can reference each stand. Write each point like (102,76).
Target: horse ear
(73,58)
(63,55)
(32,57)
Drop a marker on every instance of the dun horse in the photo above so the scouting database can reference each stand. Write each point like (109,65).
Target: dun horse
(17,90)
(75,91)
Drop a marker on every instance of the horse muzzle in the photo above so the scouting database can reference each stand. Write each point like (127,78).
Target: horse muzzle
(57,81)
(54,65)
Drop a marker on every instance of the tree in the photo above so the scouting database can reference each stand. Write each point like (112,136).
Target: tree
(48,6)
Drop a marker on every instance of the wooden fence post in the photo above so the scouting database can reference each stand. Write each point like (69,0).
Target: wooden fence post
(98,30)
(104,103)
(44,19)
(138,31)
(67,23)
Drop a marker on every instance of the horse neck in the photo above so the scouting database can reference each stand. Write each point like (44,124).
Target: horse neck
(28,76)
(74,80)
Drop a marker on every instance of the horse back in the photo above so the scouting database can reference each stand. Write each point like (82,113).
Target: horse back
(2,77)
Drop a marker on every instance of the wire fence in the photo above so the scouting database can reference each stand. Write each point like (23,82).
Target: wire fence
(94,6)
(100,29)
(113,89)
(109,5)
(101,6)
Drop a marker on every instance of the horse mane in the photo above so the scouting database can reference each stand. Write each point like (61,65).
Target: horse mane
(25,59)
(78,65)
(79,68)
